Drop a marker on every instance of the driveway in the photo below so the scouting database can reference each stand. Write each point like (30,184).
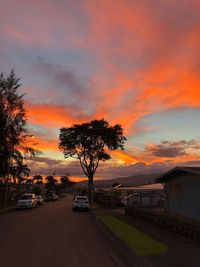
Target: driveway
(51,236)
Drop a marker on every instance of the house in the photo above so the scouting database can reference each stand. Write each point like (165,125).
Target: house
(144,195)
(182,191)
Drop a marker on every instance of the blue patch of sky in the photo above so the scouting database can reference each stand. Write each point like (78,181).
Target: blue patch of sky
(43,131)
(173,125)
(23,59)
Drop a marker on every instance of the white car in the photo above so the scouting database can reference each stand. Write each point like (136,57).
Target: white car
(27,201)
(81,203)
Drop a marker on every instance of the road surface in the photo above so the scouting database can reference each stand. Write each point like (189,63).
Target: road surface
(51,236)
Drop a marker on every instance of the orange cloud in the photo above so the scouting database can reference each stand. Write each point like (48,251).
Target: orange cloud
(54,115)
(146,52)
(46,144)
(124,157)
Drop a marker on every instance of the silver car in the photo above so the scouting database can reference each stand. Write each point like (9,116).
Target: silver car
(27,201)
(81,203)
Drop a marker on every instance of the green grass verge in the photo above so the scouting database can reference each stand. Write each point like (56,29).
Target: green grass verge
(140,243)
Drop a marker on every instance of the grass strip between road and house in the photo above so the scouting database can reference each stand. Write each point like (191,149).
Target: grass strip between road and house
(140,243)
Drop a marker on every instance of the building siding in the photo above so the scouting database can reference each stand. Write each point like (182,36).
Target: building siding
(187,200)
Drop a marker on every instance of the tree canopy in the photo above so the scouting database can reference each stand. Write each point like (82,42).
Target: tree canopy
(20,172)
(64,179)
(90,143)
(38,178)
(13,123)
(51,182)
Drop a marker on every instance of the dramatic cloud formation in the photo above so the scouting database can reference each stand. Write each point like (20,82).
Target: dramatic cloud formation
(71,87)
(169,149)
(131,62)
(48,166)
(55,115)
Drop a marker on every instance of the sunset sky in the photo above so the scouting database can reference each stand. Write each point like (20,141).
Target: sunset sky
(131,62)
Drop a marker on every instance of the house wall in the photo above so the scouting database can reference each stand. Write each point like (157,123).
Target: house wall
(183,195)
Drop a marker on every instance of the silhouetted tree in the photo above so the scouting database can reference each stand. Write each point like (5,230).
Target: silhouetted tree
(13,122)
(20,172)
(38,178)
(64,180)
(37,190)
(89,143)
(29,181)
(51,182)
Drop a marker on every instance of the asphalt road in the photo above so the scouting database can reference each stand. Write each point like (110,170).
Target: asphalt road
(51,236)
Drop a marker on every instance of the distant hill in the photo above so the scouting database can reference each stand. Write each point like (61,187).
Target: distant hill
(138,179)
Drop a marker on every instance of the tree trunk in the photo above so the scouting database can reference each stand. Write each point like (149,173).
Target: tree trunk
(91,190)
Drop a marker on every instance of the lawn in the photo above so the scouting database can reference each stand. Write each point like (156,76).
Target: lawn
(140,243)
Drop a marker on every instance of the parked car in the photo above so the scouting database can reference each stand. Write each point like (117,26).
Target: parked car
(51,197)
(81,203)
(40,200)
(27,201)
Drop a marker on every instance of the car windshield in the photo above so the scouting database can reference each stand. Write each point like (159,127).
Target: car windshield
(26,197)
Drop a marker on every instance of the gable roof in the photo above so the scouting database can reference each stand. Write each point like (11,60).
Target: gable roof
(177,171)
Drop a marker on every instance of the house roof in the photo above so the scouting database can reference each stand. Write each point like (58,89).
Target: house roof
(177,171)
(147,187)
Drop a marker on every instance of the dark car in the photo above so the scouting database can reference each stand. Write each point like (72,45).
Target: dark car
(40,200)
(51,197)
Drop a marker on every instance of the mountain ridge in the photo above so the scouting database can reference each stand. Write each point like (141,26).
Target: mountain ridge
(133,180)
